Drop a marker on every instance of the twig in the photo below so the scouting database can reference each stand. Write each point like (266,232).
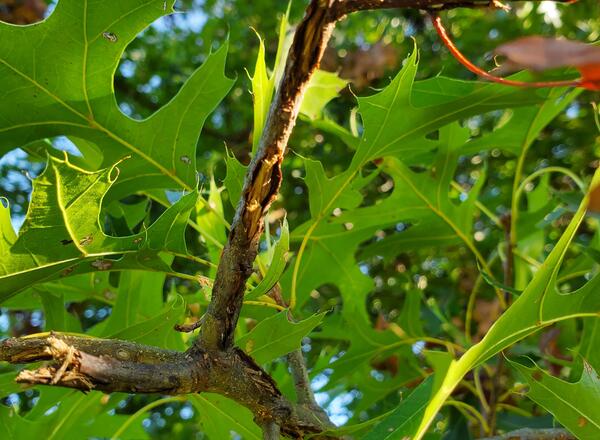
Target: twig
(270,431)
(534,434)
(350,6)
(297,365)
(443,34)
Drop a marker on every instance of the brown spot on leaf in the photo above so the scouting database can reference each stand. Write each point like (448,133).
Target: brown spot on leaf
(110,37)
(102,264)
(67,271)
(88,239)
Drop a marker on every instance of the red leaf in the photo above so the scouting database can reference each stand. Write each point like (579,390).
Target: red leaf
(539,53)
(590,76)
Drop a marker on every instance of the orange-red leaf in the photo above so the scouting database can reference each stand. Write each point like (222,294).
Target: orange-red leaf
(539,53)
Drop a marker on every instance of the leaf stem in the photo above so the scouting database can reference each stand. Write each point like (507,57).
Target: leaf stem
(443,34)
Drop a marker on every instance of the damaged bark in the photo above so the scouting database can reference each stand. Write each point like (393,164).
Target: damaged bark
(263,178)
(118,366)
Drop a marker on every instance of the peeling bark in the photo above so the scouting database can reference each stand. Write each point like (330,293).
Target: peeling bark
(264,177)
(119,366)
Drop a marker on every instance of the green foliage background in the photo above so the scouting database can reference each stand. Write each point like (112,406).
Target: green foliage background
(394,202)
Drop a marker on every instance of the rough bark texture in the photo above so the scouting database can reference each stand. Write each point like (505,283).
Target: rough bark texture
(119,366)
(264,177)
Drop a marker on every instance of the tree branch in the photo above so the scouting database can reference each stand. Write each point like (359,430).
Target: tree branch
(264,177)
(120,366)
(349,6)
(534,434)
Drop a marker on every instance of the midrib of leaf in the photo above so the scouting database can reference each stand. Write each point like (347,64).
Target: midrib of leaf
(234,422)
(93,124)
(85,55)
(34,124)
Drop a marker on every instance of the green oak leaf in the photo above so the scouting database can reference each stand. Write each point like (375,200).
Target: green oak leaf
(59,81)
(78,416)
(574,405)
(62,234)
(234,180)
(421,200)
(406,417)
(323,87)
(397,122)
(276,336)
(220,415)
(278,260)
(541,304)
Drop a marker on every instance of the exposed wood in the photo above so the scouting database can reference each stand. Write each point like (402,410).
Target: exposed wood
(263,178)
(120,366)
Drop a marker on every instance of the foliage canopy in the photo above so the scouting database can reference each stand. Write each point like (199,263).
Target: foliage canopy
(431,239)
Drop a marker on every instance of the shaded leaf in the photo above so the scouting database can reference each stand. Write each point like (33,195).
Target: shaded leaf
(276,336)
(574,405)
(405,419)
(220,416)
(276,265)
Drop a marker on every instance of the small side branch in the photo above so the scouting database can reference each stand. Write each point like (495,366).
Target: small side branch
(349,6)
(120,366)
(534,434)
(105,365)
(271,431)
(304,393)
